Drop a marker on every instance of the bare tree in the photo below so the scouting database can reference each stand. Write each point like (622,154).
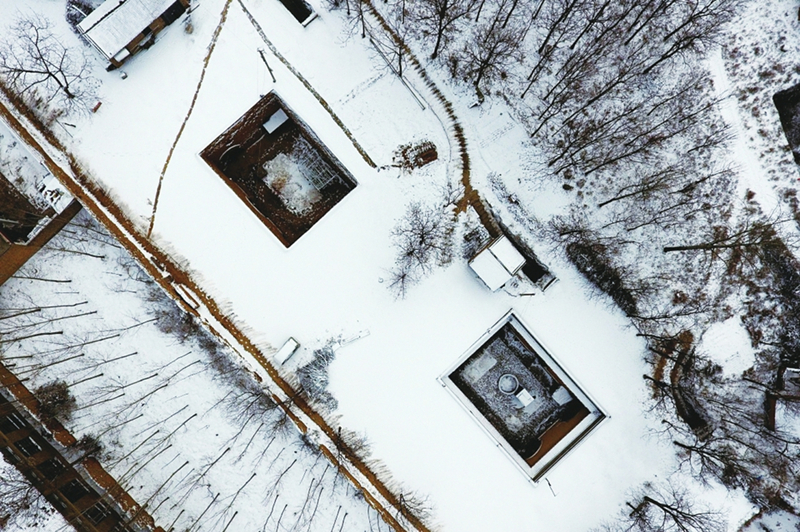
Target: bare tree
(438,20)
(420,238)
(401,279)
(22,503)
(35,63)
(491,48)
(666,507)
(389,42)
(750,235)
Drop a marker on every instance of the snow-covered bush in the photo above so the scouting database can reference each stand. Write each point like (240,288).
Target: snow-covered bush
(313,376)
(55,400)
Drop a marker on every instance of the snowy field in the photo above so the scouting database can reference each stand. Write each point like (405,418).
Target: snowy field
(192,437)
(332,283)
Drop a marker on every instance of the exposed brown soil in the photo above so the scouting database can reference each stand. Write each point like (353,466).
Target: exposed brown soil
(556,433)
(658,374)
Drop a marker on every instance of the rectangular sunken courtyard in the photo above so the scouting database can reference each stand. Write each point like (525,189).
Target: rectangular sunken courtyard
(279,168)
(522,397)
(18,216)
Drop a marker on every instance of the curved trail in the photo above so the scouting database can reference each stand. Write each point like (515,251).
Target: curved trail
(454,129)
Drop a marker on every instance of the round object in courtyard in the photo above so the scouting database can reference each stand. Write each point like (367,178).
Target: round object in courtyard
(508,384)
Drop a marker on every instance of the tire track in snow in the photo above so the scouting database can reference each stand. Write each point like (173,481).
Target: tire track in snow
(306,84)
(206,60)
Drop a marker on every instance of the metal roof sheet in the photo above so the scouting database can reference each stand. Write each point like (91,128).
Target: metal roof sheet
(507,254)
(490,270)
(115,23)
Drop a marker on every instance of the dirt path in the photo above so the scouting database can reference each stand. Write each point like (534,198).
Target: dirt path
(212,45)
(452,126)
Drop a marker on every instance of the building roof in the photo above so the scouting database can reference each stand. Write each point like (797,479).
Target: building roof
(115,23)
(497,263)
(507,254)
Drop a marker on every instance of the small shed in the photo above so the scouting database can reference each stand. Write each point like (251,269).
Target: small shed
(497,263)
(119,28)
(286,351)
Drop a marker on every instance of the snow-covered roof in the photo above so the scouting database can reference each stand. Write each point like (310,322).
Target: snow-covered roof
(490,270)
(286,351)
(115,23)
(497,263)
(507,254)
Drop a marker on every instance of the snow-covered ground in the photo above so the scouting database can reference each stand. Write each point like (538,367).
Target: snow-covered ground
(192,437)
(333,281)
(755,62)
(776,521)
(728,345)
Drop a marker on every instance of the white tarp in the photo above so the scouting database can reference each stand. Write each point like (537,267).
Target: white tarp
(498,263)
(113,25)
(507,254)
(275,121)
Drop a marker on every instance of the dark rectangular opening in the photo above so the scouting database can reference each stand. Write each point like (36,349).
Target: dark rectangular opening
(11,423)
(28,446)
(299,9)
(51,468)
(74,490)
(173,12)
(97,513)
